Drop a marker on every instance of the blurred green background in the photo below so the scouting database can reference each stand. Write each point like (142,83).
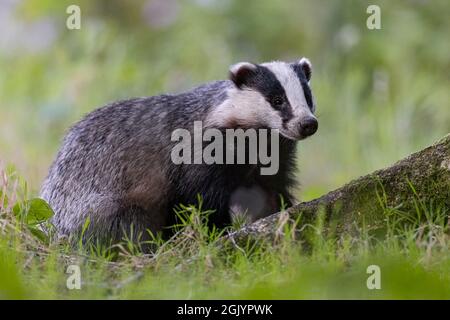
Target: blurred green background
(381,94)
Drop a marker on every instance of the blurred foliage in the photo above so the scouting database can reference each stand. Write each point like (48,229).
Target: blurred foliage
(381,94)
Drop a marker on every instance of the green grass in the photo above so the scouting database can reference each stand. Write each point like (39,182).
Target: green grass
(413,256)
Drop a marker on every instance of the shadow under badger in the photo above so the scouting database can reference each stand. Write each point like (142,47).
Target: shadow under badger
(115,165)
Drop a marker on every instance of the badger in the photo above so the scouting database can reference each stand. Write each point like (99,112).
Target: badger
(115,168)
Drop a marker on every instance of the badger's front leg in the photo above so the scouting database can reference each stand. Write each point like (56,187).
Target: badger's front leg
(211,184)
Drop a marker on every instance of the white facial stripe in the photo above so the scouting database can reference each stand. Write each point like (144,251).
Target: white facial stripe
(246,108)
(291,84)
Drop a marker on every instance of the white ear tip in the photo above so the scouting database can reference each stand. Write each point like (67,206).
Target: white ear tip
(305,61)
(236,67)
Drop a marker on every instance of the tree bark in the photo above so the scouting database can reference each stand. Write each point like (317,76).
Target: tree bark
(418,183)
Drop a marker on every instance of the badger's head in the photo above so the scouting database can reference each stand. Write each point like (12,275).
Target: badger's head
(273,95)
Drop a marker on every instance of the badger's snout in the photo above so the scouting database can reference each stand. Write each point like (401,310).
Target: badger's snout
(308,126)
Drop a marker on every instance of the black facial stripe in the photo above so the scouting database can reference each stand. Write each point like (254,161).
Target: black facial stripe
(308,94)
(266,83)
(304,82)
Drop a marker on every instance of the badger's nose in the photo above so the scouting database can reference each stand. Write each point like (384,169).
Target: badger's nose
(308,126)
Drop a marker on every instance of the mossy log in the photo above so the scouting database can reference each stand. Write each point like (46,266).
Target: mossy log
(417,183)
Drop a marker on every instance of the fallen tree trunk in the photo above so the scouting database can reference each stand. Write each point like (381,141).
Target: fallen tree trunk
(417,183)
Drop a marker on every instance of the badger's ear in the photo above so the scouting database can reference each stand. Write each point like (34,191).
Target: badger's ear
(241,73)
(306,67)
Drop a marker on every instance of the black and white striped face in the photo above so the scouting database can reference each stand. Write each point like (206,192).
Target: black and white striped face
(275,95)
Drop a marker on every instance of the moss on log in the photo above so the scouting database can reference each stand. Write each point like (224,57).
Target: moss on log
(420,182)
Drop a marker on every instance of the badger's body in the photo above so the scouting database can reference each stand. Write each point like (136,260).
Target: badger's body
(115,165)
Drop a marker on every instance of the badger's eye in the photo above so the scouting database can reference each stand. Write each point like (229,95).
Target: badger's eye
(277,101)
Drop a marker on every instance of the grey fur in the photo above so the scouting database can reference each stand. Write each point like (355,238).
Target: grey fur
(117,157)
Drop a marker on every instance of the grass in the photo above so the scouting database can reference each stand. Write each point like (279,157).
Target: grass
(413,256)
